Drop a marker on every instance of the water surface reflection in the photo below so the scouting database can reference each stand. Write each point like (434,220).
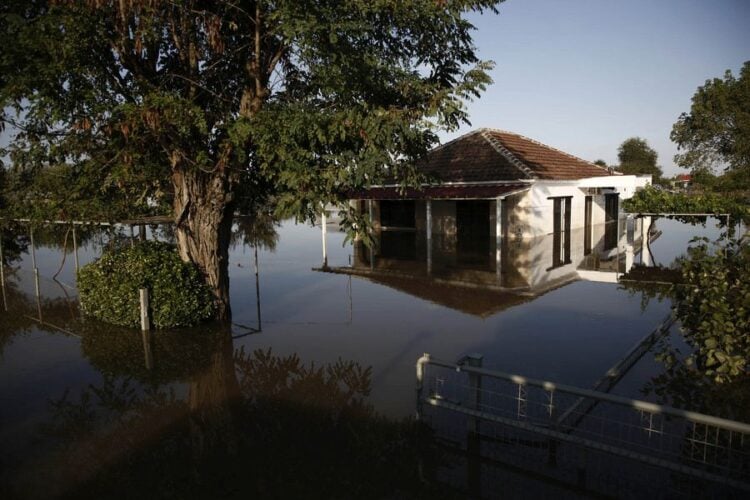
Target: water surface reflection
(193,411)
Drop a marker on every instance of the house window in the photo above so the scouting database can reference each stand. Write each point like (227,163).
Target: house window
(397,214)
(561,230)
(612,213)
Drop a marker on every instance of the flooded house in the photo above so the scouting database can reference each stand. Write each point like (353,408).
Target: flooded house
(502,212)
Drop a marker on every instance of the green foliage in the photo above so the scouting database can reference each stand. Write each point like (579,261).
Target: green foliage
(637,157)
(710,295)
(714,308)
(109,287)
(654,200)
(304,99)
(716,131)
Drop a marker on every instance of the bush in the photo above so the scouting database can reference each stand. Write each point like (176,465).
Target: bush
(108,287)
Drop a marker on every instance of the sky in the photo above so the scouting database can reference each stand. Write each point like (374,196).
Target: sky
(584,75)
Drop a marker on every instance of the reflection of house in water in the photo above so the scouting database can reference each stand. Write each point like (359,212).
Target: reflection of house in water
(506,214)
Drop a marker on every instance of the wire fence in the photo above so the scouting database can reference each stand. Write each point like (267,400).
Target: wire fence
(578,438)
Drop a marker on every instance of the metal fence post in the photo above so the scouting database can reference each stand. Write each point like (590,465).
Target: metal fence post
(421,362)
(473,441)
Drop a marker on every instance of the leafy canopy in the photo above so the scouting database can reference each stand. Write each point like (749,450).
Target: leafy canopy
(637,157)
(301,99)
(716,131)
(653,200)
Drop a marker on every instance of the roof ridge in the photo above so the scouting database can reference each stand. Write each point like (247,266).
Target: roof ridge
(460,137)
(548,146)
(505,152)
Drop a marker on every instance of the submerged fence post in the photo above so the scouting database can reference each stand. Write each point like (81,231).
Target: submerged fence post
(257,284)
(473,442)
(33,249)
(421,362)
(148,355)
(75,248)
(323,232)
(37,293)
(145,316)
(370,208)
(2,273)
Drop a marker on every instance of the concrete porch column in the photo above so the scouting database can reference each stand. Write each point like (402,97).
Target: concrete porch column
(499,240)
(428,230)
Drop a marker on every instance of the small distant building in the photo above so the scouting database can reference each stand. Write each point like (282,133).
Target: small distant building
(682,181)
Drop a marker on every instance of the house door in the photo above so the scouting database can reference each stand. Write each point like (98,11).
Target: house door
(473,232)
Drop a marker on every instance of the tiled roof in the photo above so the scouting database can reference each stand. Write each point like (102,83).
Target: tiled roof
(487,155)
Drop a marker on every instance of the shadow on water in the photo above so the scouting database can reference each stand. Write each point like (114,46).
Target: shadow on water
(241,423)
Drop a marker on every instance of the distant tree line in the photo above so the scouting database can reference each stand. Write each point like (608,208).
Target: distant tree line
(713,140)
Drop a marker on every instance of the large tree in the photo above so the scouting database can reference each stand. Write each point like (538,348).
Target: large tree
(208,104)
(715,134)
(637,157)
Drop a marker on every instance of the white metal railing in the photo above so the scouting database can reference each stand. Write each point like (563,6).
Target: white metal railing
(689,443)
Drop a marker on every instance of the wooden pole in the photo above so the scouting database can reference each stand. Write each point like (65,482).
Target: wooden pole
(75,249)
(33,250)
(324,232)
(38,294)
(372,242)
(148,354)
(2,273)
(145,315)
(257,285)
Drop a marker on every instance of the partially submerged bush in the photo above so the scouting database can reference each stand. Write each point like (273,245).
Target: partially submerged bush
(108,287)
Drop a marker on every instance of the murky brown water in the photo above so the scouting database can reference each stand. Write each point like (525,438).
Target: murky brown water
(310,392)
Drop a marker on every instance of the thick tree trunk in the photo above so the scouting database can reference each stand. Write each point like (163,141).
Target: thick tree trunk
(203,211)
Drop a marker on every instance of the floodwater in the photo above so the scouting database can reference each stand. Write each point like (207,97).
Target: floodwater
(311,391)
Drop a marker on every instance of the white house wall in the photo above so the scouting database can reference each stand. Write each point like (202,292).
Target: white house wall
(531,213)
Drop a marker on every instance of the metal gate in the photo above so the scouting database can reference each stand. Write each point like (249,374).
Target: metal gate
(590,439)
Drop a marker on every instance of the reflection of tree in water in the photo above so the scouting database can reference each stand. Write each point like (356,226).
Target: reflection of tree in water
(684,385)
(709,292)
(250,424)
(257,230)
(119,352)
(14,242)
(22,312)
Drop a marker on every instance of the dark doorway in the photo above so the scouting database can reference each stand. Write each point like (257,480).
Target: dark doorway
(398,245)
(473,232)
(397,213)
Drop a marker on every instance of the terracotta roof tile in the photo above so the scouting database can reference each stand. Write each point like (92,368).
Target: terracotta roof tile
(487,155)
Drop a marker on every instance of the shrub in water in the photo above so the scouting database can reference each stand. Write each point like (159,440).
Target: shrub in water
(108,287)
